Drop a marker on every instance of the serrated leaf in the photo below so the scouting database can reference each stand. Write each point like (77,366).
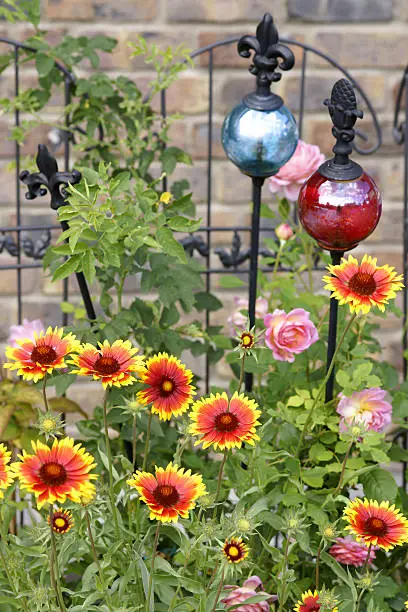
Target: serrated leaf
(231,282)
(183,224)
(68,267)
(169,244)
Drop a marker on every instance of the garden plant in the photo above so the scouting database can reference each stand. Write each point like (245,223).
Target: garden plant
(168,498)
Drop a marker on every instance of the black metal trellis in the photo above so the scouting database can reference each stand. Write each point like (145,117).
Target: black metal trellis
(16,240)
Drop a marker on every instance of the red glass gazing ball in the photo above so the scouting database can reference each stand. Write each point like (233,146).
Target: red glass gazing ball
(339,214)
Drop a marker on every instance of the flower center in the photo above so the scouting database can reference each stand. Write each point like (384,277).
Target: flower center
(167,387)
(310,605)
(363,283)
(48,424)
(44,355)
(53,473)
(226,421)
(375,526)
(166,495)
(247,340)
(233,551)
(59,522)
(106,365)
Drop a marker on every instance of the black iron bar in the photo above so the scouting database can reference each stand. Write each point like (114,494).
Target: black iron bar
(209,201)
(332,336)
(257,183)
(18,199)
(405,268)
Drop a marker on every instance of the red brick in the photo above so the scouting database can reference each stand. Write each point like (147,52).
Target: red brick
(69,10)
(224,10)
(199,149)
(112,10)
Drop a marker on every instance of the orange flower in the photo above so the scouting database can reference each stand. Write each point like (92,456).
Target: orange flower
(364,285)
(169,387)
(61,521)
(112,365)
(33,359)
(225,424)
(376,523)
(57,473)
(170,493)
(6,475)
(309,603)
(235,550)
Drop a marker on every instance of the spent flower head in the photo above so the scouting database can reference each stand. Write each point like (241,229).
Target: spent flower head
(50,424)
(294,521)
(367,582)
(330,532)
(327,599)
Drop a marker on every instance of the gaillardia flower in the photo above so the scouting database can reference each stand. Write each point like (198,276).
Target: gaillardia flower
(114,365)
(376,523)
(369,408)
(169,389)
(170,493)
(6,475)
(309,603)
(57,473)
(363,286)
(225,424)
(235,550)
(350,552)
(61,521)
(33,359)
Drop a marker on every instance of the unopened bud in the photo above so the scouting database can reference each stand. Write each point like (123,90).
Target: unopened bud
(284,231)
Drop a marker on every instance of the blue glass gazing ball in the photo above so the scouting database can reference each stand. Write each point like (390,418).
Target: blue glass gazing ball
(259,142)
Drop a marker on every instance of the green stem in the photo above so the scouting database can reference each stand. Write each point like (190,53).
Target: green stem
(277,261)
(367,560)
(186,560)
(309,262)
(134,440)
(241,375)
(119,291)
(283,583)
(146,451)
(219,590)
(149,590)
(364,569)
(109,455)
(95,556)
(44,393)
(220,473)
(54,563)
(9,576)
(319,551)
(323,385)
(343,469)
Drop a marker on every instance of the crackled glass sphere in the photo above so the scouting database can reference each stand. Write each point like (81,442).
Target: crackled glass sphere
(259,142)
(339,214)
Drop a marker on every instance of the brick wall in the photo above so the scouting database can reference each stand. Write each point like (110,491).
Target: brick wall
(369,37)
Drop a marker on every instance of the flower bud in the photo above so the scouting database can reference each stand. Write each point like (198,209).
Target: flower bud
(284,232)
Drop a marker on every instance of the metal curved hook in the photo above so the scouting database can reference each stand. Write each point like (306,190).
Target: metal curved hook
(398,129)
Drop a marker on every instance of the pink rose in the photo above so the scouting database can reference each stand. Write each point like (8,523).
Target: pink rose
(305,160)
(25,331)
(369,408)
(284,231)
(289,334)
(248,589)
(350,552)
(238,321)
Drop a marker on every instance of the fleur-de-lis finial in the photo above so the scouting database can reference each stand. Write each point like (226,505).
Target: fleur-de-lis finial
(268,55)
(344,114)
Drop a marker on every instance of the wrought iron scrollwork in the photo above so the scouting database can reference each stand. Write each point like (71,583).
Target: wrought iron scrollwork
(193,243)
(48,178)
(35,249)
(235,257)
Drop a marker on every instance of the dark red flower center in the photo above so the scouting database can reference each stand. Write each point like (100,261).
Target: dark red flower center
(233,551)
(363,283)
(166,495)
(226,421)
(60,523)
(53,473)
(166,387)
(375,526)
(106,365)
(43,354)
(247,340)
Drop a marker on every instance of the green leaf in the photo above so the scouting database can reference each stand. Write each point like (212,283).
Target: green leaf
(379,485)
(231,282)
(319,452)
(44,64)
(206,301)
(68,267)
(169,244)
(183,224)
(284,208)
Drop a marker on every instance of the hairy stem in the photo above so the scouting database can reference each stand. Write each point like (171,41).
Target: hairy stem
(220,473)
(109,455)
(134,439)
(219,590)
(54,565)
(283,583)
(95,556)
(44,393)
(149,590)
(146,450)
(241,375)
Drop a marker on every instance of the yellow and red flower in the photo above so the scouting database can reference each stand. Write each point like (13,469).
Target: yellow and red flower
(309,603)
(169,389)
(57,473)
(379,524)
(114,365)
(170,493)
(6,474)
(61,521)
(35,358)
(235,550)
(363,286)
(225,424)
